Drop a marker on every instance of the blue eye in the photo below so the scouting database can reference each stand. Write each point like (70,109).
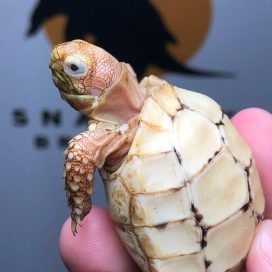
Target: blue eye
(75,67)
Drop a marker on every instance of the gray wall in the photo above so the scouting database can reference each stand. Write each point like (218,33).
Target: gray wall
(32,200)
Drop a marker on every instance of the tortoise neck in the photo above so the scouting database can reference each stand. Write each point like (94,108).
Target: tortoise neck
(123,101)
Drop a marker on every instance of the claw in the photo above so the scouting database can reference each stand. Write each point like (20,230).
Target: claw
(74,227)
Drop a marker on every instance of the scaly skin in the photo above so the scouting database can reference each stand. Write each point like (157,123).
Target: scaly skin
(96,84)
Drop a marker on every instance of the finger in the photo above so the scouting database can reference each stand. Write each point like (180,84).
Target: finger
(255,126)
(260,255)
(96,247)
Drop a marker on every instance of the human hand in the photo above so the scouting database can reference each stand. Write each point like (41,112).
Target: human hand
(256,128)
(97,248)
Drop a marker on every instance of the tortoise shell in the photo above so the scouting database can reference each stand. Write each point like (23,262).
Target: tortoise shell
(187,197)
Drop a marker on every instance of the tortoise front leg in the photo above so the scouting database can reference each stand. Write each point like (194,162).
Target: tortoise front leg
(86,152)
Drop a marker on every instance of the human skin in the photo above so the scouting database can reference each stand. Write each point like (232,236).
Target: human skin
(97,248)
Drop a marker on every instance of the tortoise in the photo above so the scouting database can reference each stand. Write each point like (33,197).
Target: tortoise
(180,182)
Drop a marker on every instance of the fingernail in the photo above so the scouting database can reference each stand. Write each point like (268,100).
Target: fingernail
(266,241)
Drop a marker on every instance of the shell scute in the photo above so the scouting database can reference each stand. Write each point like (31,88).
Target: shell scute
(152,174)
(118,200)
(218,196)
(196,139)
(189,263)
(173,239)
(130,240)
(142,144)
(153,209)
(235,143)
(256,190)
(229,242)
(153,115)
(200,103)
(165,95)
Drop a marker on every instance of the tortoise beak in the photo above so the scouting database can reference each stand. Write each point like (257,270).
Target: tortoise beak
(83,103)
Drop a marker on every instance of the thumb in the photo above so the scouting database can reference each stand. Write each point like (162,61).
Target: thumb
(260,255)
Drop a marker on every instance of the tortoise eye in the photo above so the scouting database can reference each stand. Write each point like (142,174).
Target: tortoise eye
(75,67)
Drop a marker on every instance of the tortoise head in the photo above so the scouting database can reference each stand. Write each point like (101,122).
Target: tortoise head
(93,82)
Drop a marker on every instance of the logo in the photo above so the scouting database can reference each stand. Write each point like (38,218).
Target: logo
(154,36)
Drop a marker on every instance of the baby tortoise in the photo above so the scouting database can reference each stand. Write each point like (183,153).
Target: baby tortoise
(180,182)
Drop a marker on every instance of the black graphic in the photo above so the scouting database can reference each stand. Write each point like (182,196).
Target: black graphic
(131,30)
(21,118)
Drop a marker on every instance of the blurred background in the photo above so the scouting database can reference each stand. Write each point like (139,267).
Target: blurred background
(220,48)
